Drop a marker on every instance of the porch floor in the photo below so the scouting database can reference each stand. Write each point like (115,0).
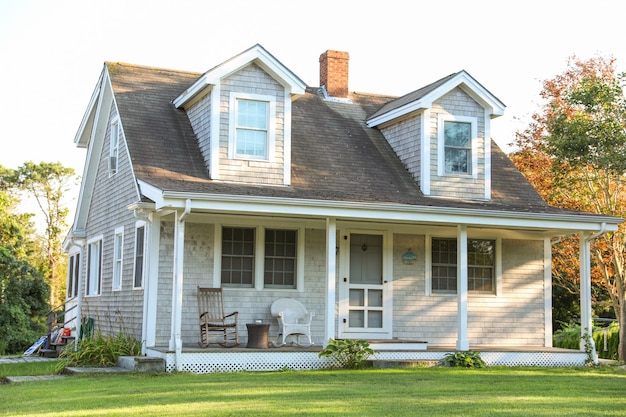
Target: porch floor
(241,358)
(317,348)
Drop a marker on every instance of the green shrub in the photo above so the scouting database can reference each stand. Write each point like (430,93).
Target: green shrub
(352,354)
(569,338)
(99,350)
(466,359)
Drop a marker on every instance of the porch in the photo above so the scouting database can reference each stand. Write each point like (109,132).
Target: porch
(243,359)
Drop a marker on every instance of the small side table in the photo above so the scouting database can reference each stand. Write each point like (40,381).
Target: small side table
(258,335)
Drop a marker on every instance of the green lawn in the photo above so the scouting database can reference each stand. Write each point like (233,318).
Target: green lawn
(502,392)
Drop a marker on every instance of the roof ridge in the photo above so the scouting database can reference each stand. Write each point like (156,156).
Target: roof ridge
(150,67)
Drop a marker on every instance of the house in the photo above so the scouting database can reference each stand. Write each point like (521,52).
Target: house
(395,219)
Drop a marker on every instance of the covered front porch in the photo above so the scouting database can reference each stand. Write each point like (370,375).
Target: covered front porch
(243,359)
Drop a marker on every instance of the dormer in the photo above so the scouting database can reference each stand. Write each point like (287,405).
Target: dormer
(441,133)
(241,114)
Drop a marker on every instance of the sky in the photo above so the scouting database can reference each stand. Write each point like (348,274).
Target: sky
(52,51)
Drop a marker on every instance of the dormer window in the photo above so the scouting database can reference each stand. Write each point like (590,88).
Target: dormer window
(252,133)
(458,154)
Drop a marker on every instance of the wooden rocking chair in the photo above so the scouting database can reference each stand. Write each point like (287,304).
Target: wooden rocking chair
(215,326)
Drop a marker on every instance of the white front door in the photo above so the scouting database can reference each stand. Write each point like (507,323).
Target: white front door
(363,289)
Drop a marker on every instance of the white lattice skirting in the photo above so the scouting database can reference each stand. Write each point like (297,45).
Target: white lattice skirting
(224,361)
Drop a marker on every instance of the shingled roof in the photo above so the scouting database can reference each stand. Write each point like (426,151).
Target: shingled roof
(335,156)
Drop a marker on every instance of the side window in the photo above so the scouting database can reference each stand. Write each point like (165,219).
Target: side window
(73,274)
(481,260)
(94,267)
(280,258)
(251,127)
(140,239)
(118,250)
(114,142)
(238,256)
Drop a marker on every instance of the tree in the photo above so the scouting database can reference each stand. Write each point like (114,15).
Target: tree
(580,133)
(23,292)
(48,183)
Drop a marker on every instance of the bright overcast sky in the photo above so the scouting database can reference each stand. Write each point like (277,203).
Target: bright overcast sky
(52,52)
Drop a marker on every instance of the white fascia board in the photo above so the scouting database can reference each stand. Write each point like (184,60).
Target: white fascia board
(385,212)
(408,108)
(256,54)
(94,151)
(462,80)
(153,193)
(85,128)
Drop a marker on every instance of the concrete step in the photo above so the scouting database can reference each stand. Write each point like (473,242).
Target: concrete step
(141,363)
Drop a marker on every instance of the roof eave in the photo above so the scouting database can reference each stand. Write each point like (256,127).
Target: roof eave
(381,212)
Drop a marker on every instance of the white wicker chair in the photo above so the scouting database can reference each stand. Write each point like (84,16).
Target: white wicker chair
(293,319)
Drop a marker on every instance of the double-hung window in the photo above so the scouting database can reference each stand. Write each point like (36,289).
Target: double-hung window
(457,145)
(73,274)
(251,127)
(238,249)
(94,267)
(140,239)
(480,270)
(260,257)
(280,258)
(118,250)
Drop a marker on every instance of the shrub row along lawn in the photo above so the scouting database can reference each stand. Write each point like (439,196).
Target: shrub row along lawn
(438,391)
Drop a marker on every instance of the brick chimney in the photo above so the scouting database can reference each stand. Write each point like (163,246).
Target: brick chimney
(334,73)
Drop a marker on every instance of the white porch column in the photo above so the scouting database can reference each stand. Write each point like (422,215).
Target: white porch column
(331,271)
(462,343)
(151,279)
(176,342)
(586,319)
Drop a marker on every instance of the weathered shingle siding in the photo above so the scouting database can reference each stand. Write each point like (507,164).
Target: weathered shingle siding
(200,118)
(404,138)
(514,318)
(114,311)
(251,304)
(252,80)
(457,103)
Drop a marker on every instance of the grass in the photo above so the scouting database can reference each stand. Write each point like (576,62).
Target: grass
(599,391)
(27,368)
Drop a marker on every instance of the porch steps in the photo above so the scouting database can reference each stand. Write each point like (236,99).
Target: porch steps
(403,363)
(56,348)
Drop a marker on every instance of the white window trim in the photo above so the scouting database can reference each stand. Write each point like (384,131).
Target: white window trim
(259,257)
(118,263)
(428,266)
(138,224)
(87,275)
(271,125)
(441,143)
(114,150)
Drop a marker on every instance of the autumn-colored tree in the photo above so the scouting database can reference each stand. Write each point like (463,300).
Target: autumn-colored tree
(574,154)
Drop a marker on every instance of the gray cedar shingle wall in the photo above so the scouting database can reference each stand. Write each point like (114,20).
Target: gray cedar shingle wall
(516,318)
(250,303)
(457,103)
(114,311)
(252,80)
(404,138)
(200,118)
